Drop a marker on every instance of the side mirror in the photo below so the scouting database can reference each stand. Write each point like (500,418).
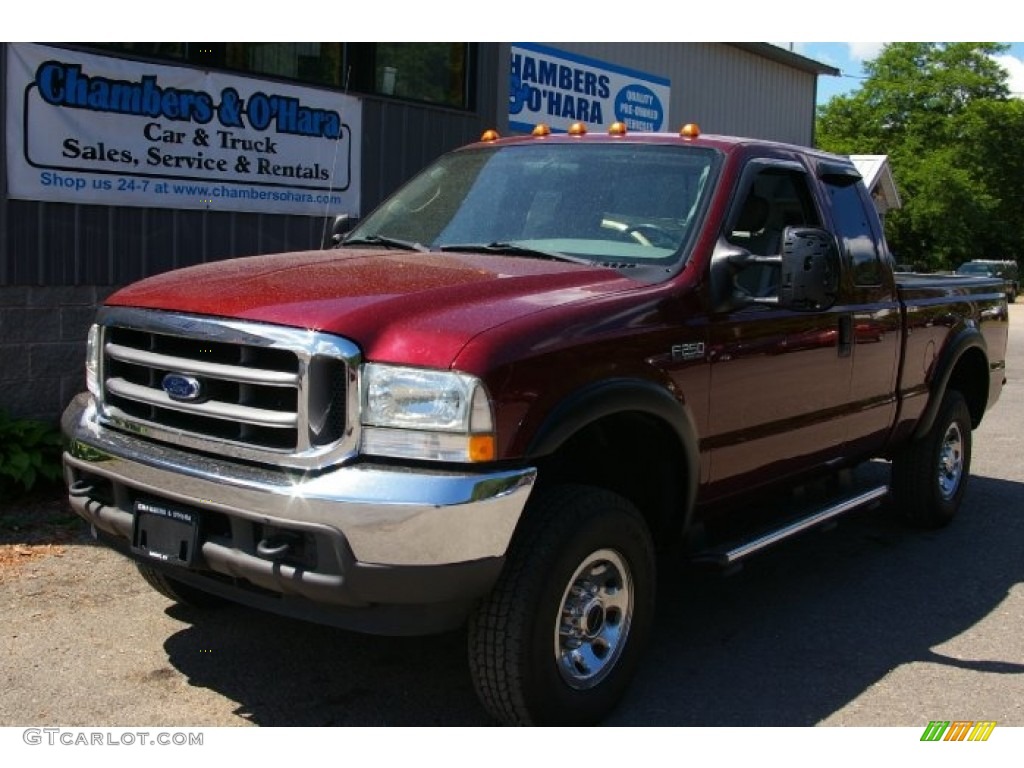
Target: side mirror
(343,224)
(805,277)
(810,269)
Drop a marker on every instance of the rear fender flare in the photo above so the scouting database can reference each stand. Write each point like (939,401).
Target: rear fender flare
(968,337)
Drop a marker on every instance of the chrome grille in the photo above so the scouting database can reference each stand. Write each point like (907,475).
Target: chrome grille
(257,392)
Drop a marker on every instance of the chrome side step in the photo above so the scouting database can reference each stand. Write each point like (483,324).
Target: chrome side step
(732,554)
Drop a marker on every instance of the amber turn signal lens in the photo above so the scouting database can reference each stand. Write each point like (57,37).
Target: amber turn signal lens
(482,448)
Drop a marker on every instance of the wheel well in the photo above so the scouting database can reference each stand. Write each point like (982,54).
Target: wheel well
(634,455)
(970,378)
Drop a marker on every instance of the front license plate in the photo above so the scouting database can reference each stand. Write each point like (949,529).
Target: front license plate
(166,533)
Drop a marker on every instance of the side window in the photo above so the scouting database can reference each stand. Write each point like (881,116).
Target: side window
(776,198)
(853,225)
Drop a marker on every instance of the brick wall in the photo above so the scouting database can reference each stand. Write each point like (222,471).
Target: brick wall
(42,347)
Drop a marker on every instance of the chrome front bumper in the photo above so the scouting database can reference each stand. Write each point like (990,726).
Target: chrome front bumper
(379,532)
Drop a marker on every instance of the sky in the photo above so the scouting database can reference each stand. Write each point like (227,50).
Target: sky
(849,58)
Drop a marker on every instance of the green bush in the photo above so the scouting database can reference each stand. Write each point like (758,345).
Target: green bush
(29,453)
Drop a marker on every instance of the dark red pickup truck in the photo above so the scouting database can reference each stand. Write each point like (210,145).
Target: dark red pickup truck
(540,365)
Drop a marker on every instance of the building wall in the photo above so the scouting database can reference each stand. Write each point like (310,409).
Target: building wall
(59,261)
(42,346)
(721,87)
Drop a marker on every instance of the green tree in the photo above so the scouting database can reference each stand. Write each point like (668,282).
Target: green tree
(991,138)
(942,113)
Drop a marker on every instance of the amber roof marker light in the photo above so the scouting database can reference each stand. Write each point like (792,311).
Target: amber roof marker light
(617,129)
(690,131)
(577,129)
(540,129)
(490,135)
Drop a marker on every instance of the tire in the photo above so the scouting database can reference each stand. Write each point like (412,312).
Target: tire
(177,591)
(930,475)
(559,638)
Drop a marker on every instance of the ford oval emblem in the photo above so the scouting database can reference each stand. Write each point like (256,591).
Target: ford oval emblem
(185,389)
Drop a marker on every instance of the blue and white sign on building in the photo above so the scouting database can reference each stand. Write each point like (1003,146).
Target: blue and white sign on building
(559,88)
(83,128)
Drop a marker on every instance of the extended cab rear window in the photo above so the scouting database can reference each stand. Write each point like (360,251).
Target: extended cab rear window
(853,225)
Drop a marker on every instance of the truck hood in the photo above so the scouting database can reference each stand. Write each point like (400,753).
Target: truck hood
(415,308)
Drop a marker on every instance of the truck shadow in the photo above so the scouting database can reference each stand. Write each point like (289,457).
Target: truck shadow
(285,672)
(798,634)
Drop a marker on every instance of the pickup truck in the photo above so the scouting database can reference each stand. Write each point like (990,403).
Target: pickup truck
(1005,270)
(542,365)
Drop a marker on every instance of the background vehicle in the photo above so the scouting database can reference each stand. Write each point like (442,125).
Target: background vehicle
(1007,270)
(543,363)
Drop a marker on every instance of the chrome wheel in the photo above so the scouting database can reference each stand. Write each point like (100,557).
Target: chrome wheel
(594,619)
(951,461)
(558,639)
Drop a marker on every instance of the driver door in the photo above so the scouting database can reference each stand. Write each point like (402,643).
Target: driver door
(780,378)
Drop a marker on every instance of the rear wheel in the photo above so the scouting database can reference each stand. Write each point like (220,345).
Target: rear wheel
(177,591)
(558,640)
(930,475)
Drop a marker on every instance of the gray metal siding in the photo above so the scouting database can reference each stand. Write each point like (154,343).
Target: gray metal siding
(721,87)
(400,139)
(64,244)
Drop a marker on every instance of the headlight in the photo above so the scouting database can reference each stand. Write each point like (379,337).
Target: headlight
(92,361)
(418,413)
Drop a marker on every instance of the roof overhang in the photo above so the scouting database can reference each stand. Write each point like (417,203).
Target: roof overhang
(789,58)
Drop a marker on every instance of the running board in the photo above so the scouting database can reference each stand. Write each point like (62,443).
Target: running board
(733,553)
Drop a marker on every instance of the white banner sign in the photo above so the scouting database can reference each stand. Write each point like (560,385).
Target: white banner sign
(105,131)
(559,88)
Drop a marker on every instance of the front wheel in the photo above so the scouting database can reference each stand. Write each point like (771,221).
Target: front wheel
(558,640)
(929,476)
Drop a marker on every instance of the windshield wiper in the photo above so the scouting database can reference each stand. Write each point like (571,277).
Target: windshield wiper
(515,249)
(387,242)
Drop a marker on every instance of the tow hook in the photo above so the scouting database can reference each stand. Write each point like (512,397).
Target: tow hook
(277,546)
(80,488)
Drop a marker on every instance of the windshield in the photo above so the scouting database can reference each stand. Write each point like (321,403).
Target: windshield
(620,205)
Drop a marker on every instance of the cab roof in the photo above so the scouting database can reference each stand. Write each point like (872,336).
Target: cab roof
(690,134)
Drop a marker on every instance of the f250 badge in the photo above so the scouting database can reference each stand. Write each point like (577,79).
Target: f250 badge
(691,351)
